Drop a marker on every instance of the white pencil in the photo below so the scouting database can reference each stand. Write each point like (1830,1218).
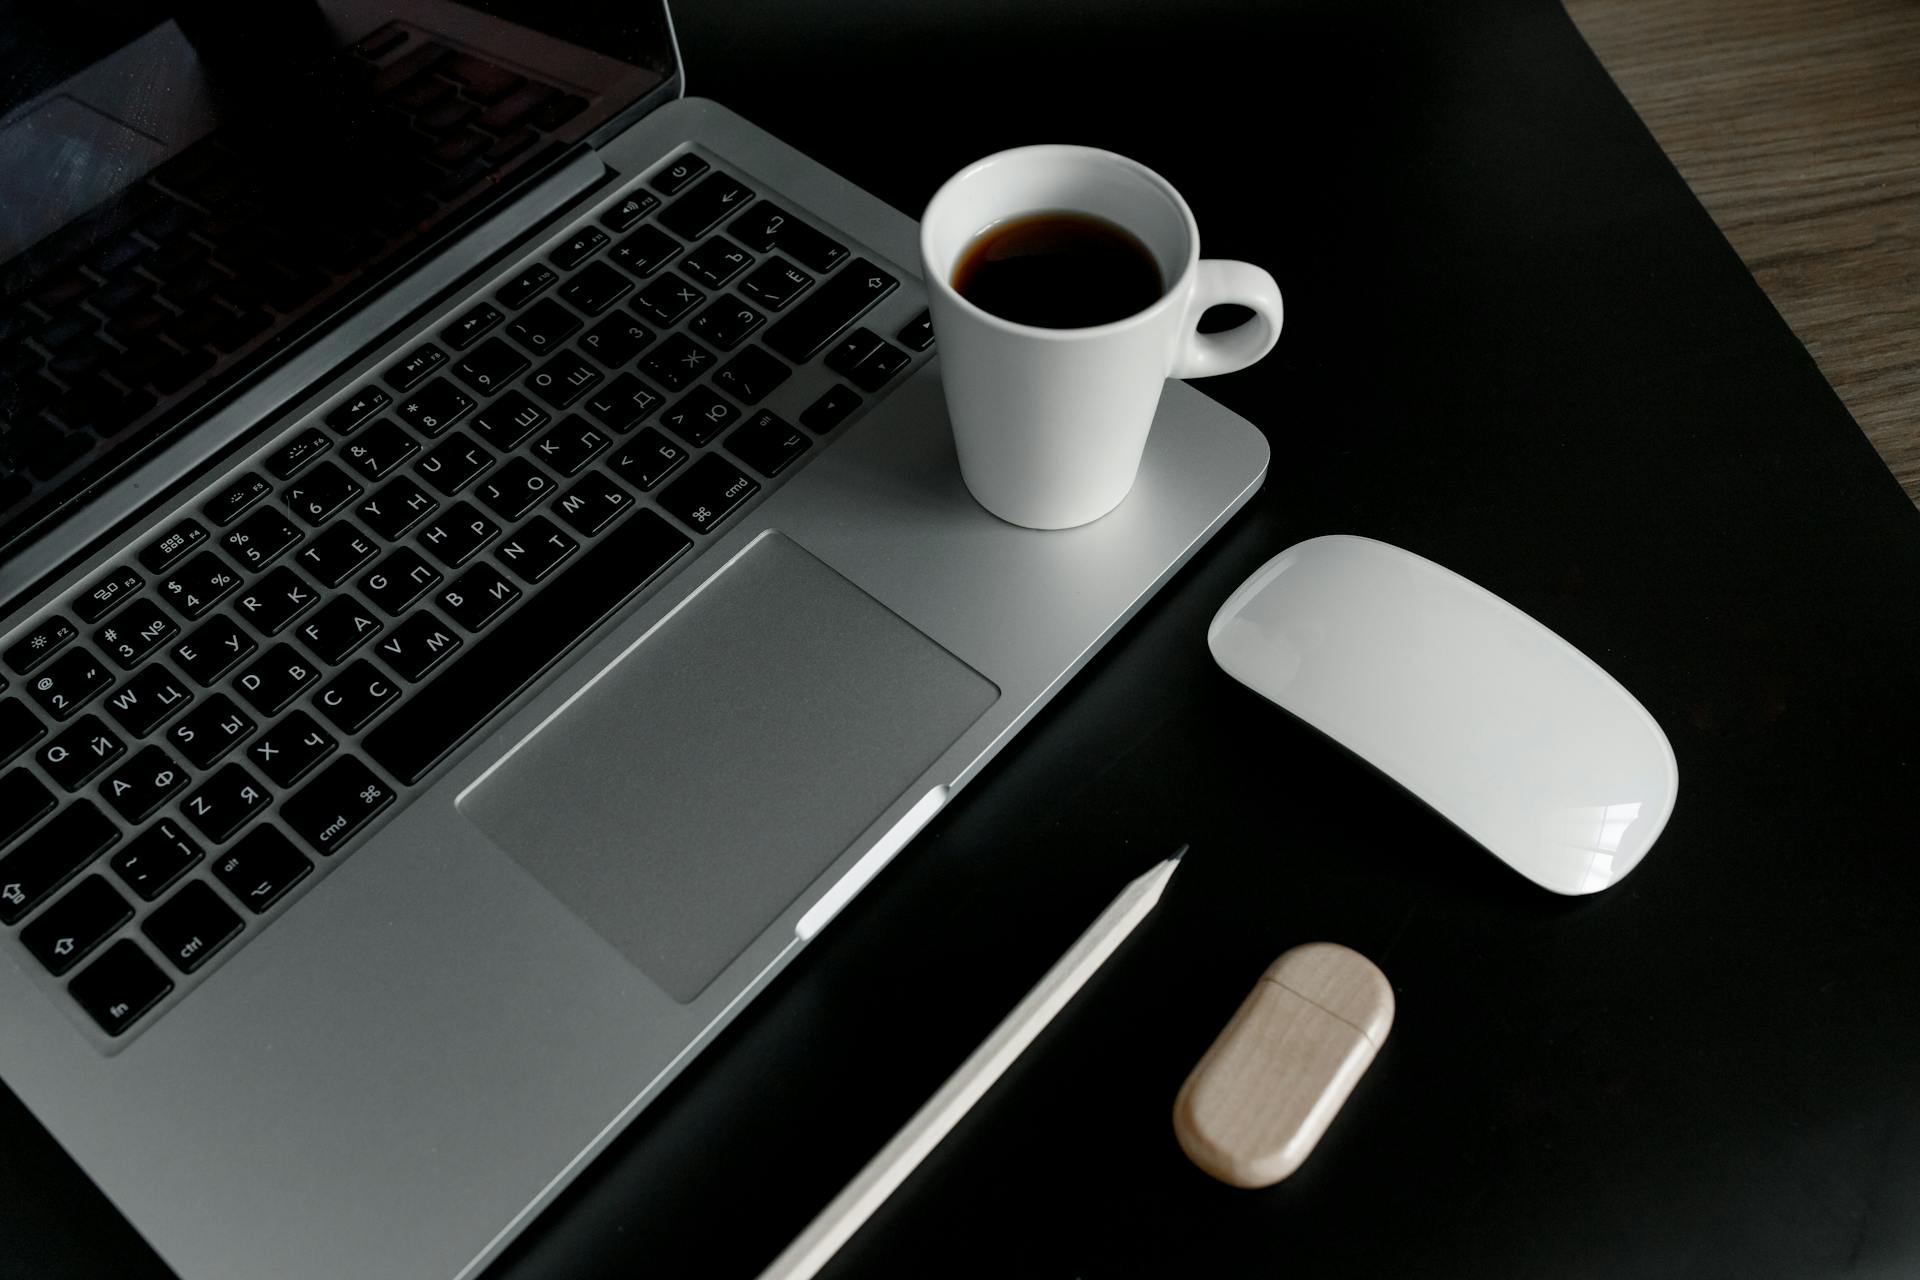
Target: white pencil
(870,1188)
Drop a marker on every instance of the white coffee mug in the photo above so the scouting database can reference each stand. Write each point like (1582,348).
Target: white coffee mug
(1050,423)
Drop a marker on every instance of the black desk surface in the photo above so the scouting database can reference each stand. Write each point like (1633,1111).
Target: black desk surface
(1515,345)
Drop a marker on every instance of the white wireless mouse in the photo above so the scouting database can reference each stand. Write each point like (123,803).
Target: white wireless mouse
(1494,721)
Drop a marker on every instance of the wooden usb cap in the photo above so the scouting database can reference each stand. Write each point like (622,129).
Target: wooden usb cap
(1257,1103)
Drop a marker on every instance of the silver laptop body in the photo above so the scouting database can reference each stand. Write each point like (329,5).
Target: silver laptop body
(417,1041)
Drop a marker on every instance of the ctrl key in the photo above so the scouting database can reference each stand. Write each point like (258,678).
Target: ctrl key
(120,986)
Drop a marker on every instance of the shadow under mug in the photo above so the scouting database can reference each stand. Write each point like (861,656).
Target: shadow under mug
(1050,424)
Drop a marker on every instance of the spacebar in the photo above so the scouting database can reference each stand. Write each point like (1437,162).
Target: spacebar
(468,691)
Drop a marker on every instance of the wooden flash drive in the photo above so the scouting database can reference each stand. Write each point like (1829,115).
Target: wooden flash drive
(1257,1103)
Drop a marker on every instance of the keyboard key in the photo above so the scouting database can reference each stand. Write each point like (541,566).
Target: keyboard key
(577,248)
(676,362)
(39,643)
(616,340)
(436,406)
(172,544)
(597,287)
(478,596)
(206,579)
(570,445)
(120,986)
(629,211)
(452,466)
(749,376)
(709,492)
(69,683)
(24,800)
(286,751)
(768,444)
(233,500)
(356,695)
(298,452)
(330,809)
(191,925)
(885,361)
(515,489)
(593,504)
(647,459)
(623,403)
(276,679)
(276,600)
(766,226)
(542,327)
(667,299)
(107,594)
(80,752)
(155,858)
(455,536)
(498,665)
(775,283)
(261,868)
(209,731)
(50,856)
(700,417)
(526,286)
(379,450)
(212,651)
(847,353)
(320,493)
(684,169)
(19,728)
(143,784)
(472,323)
(536,548)
(147,699)
(491,366)
(399,580)
(256,541)
(129,638)
(716,261)
(422,361)
(711,199)
(418,645)
(222,805)
(564,379)
(397,508)
(357,408)
(812,324)
(645,251)
(918,332)
(726,322)
(341,626)
(75,925)
(509,420)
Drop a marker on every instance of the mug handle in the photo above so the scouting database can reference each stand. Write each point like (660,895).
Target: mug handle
(1219,281)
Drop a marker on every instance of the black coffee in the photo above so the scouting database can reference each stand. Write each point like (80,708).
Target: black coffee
(1059,271)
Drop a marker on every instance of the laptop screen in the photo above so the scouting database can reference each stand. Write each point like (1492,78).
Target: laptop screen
(187,188)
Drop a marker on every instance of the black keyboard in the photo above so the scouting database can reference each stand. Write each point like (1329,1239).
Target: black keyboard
(231,702)
(206,258)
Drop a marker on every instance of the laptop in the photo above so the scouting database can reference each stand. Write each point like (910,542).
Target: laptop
(484,581)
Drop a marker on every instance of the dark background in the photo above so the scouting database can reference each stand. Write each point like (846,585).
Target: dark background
(1517,346)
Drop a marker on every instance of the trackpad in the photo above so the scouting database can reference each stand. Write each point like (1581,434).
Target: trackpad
(683,800)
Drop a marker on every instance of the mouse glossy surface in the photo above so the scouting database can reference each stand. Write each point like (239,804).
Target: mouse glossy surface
(1494,721)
